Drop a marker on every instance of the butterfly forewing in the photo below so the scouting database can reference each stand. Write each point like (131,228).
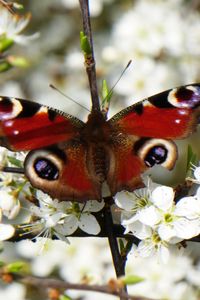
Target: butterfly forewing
(172,114)
(26,125)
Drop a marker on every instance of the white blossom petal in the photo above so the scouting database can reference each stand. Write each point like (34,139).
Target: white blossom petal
(188,207)
(164,254)
(146,248)
(186,229)
(89,224)
(197,173)
(149,216)
(125,200)
(166,231)
(163,197)
(140,230)
(93,206)
(70,225)
(6,231)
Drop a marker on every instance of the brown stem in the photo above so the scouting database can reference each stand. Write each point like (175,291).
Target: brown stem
(41,283)
(90,60)
(118,260)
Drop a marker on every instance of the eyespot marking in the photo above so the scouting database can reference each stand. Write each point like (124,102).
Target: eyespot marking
(10,108)
(185,97)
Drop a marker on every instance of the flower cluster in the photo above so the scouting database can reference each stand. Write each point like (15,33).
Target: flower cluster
(61,219)
(11,26)
(153,216)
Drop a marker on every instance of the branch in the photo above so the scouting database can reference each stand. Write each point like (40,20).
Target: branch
(89,59)
(41,283)
(118,260)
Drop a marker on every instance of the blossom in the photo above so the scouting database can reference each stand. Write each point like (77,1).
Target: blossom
(11,25)
(9,203)
(63,218)
(152,215)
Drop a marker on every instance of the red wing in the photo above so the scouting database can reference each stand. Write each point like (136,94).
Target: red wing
(130,156)
(172,114)
(67,176)
(125,166)
(26,125)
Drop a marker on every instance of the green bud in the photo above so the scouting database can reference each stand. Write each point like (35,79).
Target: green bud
(18,61)
(17,267)
(85,45)
(65,297)
(5,66)
(131,279)
(5,43)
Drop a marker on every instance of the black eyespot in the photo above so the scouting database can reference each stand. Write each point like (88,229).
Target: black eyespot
(45,169)
(156,155)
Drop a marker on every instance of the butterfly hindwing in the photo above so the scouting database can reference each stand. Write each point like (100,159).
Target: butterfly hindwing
(63,173)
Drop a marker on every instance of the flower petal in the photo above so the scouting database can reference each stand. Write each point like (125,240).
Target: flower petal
(93,206)
(125,200)
(163,197)
(6,231)
(89,224)
(188,207)
(149,216)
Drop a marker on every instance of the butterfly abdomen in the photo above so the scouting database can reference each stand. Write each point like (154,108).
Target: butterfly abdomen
(99,159)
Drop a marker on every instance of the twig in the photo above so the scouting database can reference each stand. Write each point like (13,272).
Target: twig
(41,282)
(89,60)
(118,260)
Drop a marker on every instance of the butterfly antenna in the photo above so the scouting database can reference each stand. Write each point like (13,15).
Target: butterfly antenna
(71,99)
(111,90)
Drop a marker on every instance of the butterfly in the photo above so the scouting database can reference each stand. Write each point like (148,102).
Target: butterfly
(70,160)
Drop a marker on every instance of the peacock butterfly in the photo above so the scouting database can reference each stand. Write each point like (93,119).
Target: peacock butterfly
(70,159)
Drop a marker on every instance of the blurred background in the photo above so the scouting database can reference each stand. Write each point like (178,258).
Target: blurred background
(162,38)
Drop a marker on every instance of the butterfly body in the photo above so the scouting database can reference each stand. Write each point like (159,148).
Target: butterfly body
(70,159)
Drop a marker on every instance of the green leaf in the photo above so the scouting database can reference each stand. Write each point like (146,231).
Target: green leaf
(15,162)
(65,297)
(132,279)
(106,96)
(17,267)
(85,45)
(2,264)
(5,66)
(5,43)
(191,158)
(121,246)
(18,61)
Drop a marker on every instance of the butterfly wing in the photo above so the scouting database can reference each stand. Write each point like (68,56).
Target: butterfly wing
(57,162)
(143,134)
(26,125)
(63,173)
(172,114)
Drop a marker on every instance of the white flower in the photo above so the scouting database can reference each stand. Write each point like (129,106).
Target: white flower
(171,224)
(12,25)
(82,218)
(155,214)
(137,206)
(6,231)
(64,218)
(154,246)
(9,203)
